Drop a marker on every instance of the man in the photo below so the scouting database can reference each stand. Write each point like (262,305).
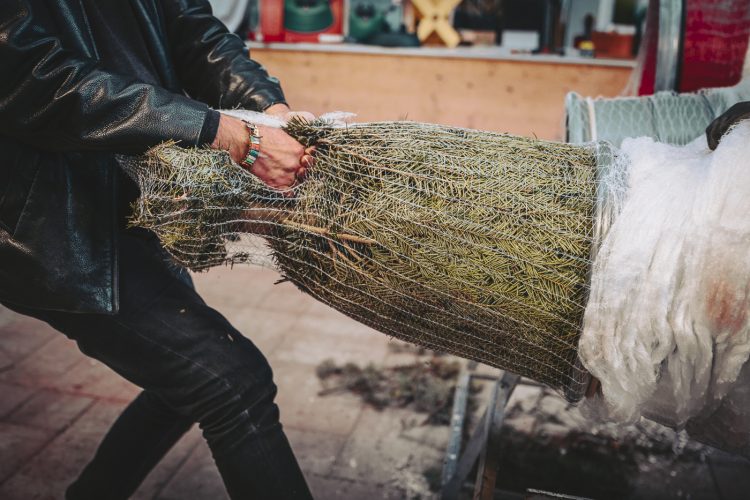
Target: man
(81,81)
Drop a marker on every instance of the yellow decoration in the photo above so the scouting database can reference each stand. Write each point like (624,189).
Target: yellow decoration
(436,18)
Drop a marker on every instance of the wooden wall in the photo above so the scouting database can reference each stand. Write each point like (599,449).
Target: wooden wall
(519,97)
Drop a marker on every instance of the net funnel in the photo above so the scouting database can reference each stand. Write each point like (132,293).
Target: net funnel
(470,243)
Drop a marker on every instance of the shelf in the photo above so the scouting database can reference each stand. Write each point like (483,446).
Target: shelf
(491,53)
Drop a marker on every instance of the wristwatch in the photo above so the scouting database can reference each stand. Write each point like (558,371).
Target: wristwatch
(254,139)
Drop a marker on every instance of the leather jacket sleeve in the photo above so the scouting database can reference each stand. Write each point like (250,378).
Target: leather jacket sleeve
(214,65)
(58,100)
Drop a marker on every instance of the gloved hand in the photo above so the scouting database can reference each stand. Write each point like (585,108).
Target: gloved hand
(719,127)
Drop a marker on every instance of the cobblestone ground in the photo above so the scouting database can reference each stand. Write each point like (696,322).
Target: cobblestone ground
(56,404)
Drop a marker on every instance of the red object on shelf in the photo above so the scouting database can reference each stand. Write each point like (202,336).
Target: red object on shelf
(271,21)
(336,27)
(714,44)
(612,45)
(648,46)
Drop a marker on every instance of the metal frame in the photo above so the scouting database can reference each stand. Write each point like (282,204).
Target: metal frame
(669,47)
(484,444)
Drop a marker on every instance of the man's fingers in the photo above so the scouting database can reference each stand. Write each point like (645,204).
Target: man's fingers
(304,115)
(307,161)
(284,162)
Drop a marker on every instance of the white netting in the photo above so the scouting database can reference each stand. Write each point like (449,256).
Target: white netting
(467,242)
(665,116)
(667,324)
(485,245)
(699,401)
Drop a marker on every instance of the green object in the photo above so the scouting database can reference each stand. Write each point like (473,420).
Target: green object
(365,22)
(307,16)
(254,152)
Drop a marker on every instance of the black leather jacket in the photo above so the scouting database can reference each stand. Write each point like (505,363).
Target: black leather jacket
(63,117)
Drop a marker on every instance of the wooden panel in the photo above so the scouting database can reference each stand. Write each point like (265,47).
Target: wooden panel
(519,97)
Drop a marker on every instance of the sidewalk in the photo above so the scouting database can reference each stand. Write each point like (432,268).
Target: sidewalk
(56,405)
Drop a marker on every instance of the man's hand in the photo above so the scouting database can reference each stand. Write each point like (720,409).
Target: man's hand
(720,126)
(282,162)
(232,137)
(282,111)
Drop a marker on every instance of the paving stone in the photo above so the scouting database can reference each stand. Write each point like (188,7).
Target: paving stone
(342,327)
(22,335)
(17,444)
(158,479)
(197,479)
(487,370)
(409,356)
(235,288)
(12,396)
(552,405)
(314,340)
(314,307)
(302,407)
(332,488)
(526,397)
(377,450)
(94,379)
(286,298)
(51,361)
(6,361)
(50,409)
(48,474)
(248,286)
(315,451)
(6,316)
(240,294)
(325,312)
(554,408)
(525,424)
(434,436)
(266,329)
(58,363)
(346,450)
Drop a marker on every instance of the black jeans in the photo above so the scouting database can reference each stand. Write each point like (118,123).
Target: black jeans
(194,367)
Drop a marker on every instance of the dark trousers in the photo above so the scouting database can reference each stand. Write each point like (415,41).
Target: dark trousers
(193,366)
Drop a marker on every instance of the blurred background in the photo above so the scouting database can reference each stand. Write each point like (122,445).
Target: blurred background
(501,65)
(370,417)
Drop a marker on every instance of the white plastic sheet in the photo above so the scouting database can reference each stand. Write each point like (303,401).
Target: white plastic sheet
(667,325)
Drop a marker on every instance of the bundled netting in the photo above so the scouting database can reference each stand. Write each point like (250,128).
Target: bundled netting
(665,116)
(550,260)
(467,242)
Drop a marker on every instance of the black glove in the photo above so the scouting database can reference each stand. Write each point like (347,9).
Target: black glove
(719,127)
